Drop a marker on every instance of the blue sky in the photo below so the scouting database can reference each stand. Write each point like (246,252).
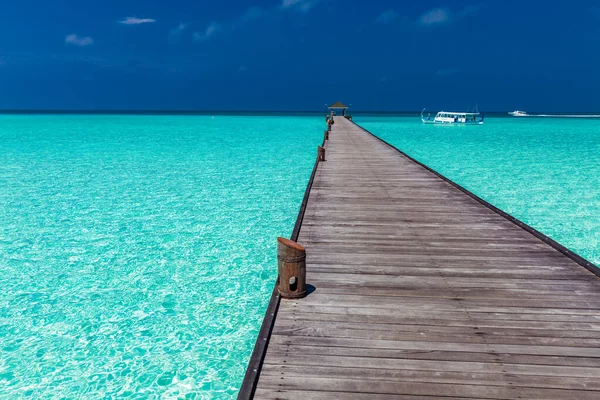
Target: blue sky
(299,54)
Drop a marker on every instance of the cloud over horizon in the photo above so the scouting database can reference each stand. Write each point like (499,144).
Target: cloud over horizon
(175,33)
(252,13)
(435,16)
(298,5)
(211,29)
(136,21)
(445,15)
(387,16)
(75,40)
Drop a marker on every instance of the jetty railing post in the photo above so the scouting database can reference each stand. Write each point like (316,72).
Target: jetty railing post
(291,265)
(320,153)
(326,135)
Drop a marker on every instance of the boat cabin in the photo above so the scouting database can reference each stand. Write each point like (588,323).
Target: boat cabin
(457,117)
(451,117)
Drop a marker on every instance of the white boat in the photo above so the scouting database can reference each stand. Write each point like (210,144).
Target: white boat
(518,113)
(452,117)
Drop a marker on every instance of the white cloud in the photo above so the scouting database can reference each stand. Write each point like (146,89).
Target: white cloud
(179,28)
(387,16)
(289,3)
(435,16)
(445,15)
(298,5)
(136,21)
(253,13)
(175,33)
(211,29)
(78,41)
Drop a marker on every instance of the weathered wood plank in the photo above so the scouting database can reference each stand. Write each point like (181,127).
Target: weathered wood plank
(287,394)
(344,385)
(441,355)
(308,361)
(449,377)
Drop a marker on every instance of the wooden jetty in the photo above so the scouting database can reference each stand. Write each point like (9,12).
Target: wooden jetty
(422,291)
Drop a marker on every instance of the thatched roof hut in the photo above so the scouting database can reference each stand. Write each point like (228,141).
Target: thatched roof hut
(337,106)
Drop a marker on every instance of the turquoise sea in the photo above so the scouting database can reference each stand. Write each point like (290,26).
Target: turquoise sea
(137,252)
(543,171)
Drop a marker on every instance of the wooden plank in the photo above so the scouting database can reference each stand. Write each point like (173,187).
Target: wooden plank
(286,394)
(423,291)
(448,377)
(441,355)
(344,385)
(517,318)
(439,332)
(312,360)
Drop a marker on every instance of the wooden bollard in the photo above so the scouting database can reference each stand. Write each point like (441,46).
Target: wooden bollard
(326,135)
(291,265)
(321,153)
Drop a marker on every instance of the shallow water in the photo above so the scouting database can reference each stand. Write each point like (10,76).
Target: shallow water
(543,171)
(137,253)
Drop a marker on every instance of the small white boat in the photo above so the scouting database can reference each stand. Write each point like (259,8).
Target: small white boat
(518,113)
(451,117)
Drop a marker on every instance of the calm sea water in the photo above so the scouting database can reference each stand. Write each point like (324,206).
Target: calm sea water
(543,171)
(137,253)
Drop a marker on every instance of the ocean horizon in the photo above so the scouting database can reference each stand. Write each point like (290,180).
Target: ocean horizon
(357,112)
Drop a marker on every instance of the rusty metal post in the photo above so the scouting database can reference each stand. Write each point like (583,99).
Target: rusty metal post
(321,153)
(291,265)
